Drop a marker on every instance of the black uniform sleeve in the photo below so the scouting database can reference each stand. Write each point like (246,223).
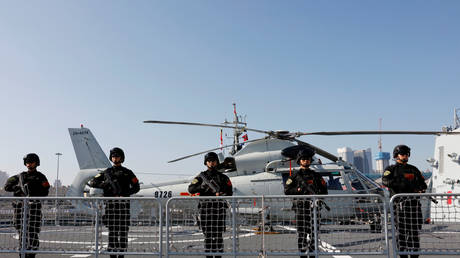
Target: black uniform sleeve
(386,177)
(420,181)
(98,181)
(195,185)
(12,185)
(291,186)
(39,187)
(227,187)
(322,185)
(134,186)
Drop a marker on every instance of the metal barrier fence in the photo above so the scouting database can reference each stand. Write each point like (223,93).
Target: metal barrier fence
(435,233)
(254,225)
(273,225)
(81,225)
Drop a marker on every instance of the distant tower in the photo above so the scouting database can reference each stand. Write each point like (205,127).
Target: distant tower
(346,154)
(382,159)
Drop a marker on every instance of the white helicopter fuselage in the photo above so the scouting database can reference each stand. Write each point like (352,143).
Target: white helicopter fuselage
(260,171)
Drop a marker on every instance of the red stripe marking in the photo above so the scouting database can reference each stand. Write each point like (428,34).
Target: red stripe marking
(449,199)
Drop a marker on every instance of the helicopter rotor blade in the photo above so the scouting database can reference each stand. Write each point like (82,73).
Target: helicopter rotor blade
(205,124)
(375,132)
(206,151)
(319,151)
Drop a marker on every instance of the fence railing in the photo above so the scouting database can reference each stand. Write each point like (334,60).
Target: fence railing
(80,225)
(424,224)
(270,225)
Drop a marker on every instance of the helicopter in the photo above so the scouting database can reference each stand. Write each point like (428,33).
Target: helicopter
(255,167)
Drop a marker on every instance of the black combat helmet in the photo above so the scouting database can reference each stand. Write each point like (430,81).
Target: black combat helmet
(401,149)
(306,153)
(211,156)
(117,152)
(31,157)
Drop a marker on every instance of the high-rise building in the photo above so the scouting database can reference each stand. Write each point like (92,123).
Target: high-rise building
(346,154)
(382,160)
(362,160)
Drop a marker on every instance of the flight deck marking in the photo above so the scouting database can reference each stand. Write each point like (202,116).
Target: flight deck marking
(323,245)
(328,247)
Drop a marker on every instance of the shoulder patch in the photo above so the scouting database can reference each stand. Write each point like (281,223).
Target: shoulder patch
(12,179)
(289,181)
(194,181)
(387,173)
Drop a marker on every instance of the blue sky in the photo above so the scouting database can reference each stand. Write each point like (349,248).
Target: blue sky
(296,65)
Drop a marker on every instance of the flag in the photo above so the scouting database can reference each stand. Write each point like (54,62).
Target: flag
(245,137)
(221,140)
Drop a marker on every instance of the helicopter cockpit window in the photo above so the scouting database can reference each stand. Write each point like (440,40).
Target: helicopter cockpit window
(368,183)
(356,184)
(334,181)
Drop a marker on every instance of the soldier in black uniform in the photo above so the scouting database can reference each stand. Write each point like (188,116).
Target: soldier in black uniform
(405,178)
(117,181)
(212,211)
(305,182)
(30,183)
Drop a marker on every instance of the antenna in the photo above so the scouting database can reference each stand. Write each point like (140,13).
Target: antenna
(380,135)
(237,131)
(456,119)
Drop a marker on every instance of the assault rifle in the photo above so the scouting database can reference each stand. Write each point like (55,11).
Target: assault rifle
(116,189)
(210,183)
(24,187)
(310,190)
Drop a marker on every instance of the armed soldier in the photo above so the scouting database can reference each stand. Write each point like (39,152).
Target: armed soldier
(212,211)
(405,178)
(31,183)
(305,182)
(117,181)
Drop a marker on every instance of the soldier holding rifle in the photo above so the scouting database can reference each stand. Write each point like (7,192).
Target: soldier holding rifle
(405,178)
(28,184)
(117,181)
(305,182)
(212,211)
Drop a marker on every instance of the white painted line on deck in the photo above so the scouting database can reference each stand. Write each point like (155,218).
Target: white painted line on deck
(323,245)
(288,228)
(328,247)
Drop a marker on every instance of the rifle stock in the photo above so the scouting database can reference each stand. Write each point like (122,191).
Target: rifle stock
(115,186)
(210,184)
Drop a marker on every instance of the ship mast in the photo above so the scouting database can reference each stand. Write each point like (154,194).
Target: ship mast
(380,135)
(237,130)
(456,118)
